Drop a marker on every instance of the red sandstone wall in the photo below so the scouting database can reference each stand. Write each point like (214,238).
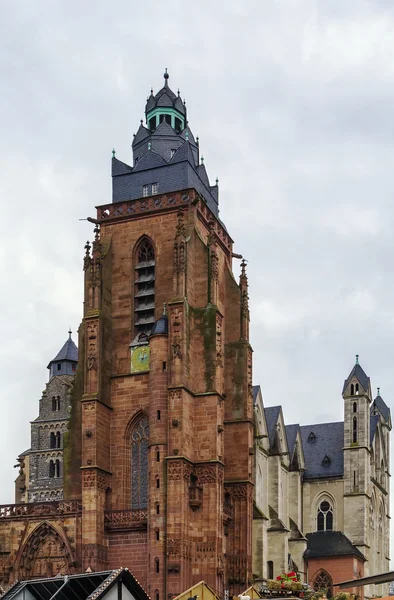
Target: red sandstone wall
(340,568)
(129,549)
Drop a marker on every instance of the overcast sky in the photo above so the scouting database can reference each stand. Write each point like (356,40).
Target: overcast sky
(293,104)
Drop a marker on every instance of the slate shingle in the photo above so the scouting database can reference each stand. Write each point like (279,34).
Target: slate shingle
(360,375)
(328,442)
(271,416)
(330,543)
(382,407)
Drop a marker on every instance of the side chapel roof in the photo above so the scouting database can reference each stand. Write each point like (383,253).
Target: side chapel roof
(330,543)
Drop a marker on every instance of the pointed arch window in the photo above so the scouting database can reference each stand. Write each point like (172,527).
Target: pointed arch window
(144,287)
(354,407)
(354,436)
(139,463)
(322,582)
(325,516)
(352,389)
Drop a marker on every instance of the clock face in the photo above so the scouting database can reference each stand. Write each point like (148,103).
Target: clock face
(140,359)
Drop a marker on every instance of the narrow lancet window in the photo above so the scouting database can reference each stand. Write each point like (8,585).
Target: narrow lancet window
(139,463)
(354,438)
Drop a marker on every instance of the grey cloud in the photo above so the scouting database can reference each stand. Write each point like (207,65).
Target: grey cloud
(292,101)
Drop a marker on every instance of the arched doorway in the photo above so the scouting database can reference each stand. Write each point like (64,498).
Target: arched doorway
(45,554)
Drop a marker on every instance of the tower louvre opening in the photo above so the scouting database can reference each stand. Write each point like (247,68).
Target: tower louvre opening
(144,290)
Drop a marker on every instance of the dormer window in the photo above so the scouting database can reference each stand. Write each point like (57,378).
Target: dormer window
(155,188)
(326,461)
(59,366)
(145,191)
(311,437)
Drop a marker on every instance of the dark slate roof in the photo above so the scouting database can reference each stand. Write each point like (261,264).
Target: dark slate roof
(271,416)
(189,135)
(84,586)
(119,167)
(328,442)
(150,160)
(360,375)
(255,391)
(382,407)
(330,543)
(165,157)
(161,326)
(185,152)
(68,352)
(373,425)
(164,128)
(291,434)
(165,97)
(141,134)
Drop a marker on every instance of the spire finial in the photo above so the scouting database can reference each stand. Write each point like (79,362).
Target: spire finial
(151,91)
(202,160)
(217,180)
(164,308)
(357,355)
(166,77)
(113,152)
(69,333)
(178,92)
(243,267)
(141,121)
(378,391)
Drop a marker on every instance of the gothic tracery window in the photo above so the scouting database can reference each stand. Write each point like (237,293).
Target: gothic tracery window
(144,291)
(323,581)
(325,516)
(139,463)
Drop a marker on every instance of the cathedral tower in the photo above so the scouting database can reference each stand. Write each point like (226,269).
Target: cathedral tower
(42,471)
(167,405)
(357,399)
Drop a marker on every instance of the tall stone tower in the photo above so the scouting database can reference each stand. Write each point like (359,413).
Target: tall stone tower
(43,462)
(167,405)
(357,400)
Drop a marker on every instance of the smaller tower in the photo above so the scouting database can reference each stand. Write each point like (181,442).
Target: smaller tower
(356,394)
(44,480)
(65,361)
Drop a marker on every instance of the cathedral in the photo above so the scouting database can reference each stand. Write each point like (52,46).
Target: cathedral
(152,448)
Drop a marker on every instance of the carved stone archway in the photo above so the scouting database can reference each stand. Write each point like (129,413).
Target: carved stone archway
(45,554)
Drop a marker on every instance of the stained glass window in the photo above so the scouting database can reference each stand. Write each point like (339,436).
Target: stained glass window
(324,516)
(323,582)
(139,463)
